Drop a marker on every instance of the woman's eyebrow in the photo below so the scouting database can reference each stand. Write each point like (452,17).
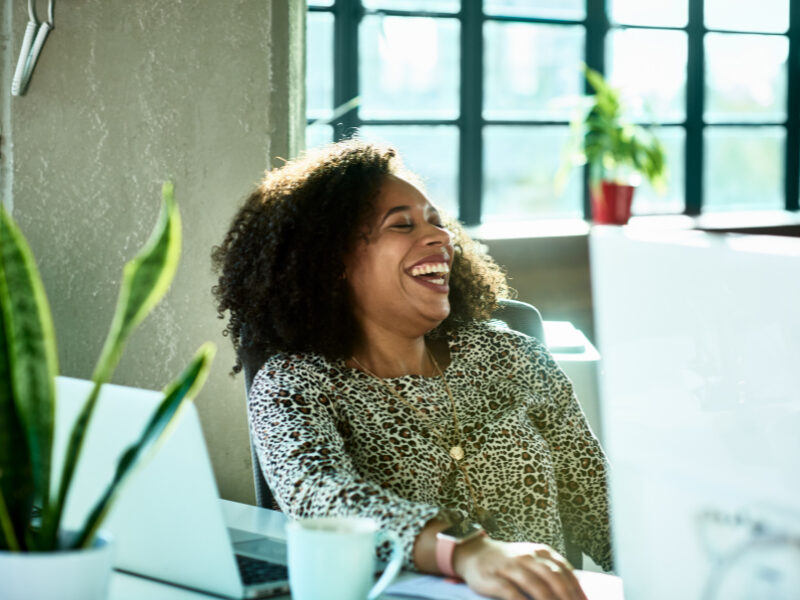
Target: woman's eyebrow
(393,210)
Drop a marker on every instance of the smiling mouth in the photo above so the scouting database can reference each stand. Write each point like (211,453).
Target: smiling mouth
(435,273)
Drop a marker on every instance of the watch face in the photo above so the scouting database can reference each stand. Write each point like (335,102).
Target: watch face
(462,531)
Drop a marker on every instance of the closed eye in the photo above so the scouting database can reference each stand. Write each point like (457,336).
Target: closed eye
(410,225)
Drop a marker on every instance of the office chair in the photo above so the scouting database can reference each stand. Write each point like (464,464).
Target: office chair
(519,316)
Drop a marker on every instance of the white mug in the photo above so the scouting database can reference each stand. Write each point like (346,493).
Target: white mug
(333,558)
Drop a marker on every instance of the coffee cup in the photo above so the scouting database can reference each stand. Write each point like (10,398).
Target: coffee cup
(333,558)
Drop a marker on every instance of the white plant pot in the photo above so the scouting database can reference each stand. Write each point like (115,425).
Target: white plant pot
(64,574)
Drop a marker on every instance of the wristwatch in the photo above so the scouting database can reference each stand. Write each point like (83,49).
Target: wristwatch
(447,540)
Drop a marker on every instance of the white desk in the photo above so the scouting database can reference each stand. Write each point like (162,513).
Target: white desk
(269,522)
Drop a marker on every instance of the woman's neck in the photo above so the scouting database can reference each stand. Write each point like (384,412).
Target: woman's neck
(387,355)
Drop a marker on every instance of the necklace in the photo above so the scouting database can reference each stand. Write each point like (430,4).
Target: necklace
(456,451)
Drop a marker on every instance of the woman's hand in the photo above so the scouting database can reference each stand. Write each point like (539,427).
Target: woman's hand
(516,571)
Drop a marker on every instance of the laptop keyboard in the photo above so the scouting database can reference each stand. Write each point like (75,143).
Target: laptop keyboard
(255,571)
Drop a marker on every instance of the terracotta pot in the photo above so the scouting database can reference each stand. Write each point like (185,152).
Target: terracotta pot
(63,574)
(611,203)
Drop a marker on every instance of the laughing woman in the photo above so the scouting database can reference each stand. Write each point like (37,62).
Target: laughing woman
(388,394)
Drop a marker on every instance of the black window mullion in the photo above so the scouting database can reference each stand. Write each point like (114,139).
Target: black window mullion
(595,57)
(348,15)
(792,167)
(596,29)
(470,168)
(695,99)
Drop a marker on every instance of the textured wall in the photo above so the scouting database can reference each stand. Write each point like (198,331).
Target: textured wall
(127,94)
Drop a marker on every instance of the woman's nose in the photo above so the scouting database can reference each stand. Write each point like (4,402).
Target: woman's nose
(437,236)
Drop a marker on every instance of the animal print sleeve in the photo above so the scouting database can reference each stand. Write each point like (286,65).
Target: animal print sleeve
(305,463)
(580,463)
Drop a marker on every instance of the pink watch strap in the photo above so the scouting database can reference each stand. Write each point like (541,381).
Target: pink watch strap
(445,548)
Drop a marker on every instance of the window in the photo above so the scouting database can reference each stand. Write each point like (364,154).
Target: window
(478,95)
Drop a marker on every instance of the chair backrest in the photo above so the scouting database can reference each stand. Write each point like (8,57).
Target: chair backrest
(251,363)
(519,316)
(522,317)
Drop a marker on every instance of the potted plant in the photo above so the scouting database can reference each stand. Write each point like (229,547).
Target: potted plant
(70,564)
(617,151)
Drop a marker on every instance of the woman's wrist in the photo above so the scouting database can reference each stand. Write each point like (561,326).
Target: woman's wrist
(424,552)
(464,552)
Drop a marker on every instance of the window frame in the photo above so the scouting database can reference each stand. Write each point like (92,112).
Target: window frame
(471,122)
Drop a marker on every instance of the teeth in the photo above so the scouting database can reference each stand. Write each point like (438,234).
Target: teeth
(437,281)
(430,268)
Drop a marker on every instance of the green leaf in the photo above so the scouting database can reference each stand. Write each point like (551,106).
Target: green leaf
(181,391)
(16,474)
(596,80)
(28,365)
(8,536)
(145,280)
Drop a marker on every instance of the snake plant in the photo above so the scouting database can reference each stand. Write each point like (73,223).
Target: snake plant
(30,510)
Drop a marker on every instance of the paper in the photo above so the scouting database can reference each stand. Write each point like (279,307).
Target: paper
(596,586)
(436,588)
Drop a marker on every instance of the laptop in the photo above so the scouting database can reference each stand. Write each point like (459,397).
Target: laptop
(700,399)
(167,524)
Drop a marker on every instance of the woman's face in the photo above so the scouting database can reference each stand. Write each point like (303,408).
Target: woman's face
(399,272)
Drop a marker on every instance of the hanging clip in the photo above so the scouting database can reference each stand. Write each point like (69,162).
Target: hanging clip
(32,42)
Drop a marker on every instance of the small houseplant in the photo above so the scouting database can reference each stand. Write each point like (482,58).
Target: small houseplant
(617,151)
(30,509)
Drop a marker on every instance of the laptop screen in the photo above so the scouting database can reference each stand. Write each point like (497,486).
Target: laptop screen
(167,523)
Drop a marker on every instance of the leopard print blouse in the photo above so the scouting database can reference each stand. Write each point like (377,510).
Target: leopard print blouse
(333,440)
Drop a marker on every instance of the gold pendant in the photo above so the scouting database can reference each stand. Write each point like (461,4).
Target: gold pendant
(456,452)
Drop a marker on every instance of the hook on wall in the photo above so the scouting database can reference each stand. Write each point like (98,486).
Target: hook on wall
(32,42)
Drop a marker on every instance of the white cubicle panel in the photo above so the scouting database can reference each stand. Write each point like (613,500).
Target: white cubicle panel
(700,396)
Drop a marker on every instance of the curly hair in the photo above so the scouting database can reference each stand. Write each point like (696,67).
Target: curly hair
(281,265)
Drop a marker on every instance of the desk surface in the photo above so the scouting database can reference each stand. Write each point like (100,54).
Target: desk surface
(271,523)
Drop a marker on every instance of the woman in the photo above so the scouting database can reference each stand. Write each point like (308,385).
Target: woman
(388,394)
